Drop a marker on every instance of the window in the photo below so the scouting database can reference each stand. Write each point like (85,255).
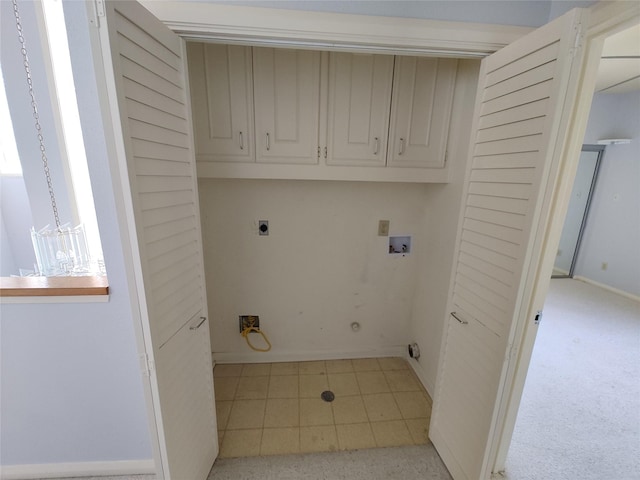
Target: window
(74,191)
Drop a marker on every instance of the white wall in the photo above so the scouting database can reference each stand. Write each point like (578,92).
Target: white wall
(612,233)
(321,267)
(71,389)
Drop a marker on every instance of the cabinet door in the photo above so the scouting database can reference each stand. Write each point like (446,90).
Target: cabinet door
(287,100)
(359,103)
(222,102)
(420,111)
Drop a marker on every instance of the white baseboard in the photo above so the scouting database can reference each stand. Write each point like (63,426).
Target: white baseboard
(78,469)
(419,371)
(608,288)
(268,357)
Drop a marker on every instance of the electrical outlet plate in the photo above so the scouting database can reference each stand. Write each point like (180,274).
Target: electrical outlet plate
(383,228)
(246,321)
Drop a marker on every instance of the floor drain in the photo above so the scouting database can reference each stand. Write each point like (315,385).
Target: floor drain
(327,396)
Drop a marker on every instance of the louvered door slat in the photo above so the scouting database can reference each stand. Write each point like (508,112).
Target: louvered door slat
(147,114)
(512,130)
(158,134)
(148,166)
(518,106)
(140,93)
(138,55)
(520,113)
(521,97)
(505,219)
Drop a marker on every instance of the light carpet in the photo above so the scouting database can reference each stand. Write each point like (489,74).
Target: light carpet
(580,413)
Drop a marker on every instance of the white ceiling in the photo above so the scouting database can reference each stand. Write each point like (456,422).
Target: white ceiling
(620,64)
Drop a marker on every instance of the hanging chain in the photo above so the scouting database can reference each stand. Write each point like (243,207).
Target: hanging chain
(36,116)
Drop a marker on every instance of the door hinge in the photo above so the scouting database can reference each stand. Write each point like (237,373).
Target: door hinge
(577,43)
(538,318)
(98,11)
(146,365)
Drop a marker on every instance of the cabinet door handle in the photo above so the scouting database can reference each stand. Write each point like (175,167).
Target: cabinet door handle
(268,142)
(376,145)
(325,152)
(241,142)
(401,146)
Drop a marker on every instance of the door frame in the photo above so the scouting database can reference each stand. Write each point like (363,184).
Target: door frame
(605,19)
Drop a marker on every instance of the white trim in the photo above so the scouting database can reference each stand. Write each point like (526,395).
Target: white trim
(421,374)
(608,288)
(332,31)
(77,469)
(57,299)
(302,356)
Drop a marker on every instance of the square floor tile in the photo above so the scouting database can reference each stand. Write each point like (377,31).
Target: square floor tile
(402,381)
(312,368)
(365,365)
(311,386)
(246,414)
(391,434)
(227,370)
(419,430)
(280,441)
(343,384)
(318,439)
(281,412)
(355,436)
(381,407)
(393,363)
(241,443)
(283,386)
(339,366)
(315,411)
(223,410)
(413,404)
(256,369)
(349,410)
(252,388)
(284,368)
(372,382)
(225,387)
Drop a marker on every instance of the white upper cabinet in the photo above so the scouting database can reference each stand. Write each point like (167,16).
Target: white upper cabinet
(287,103)
(420,111)
(220,78)
(358,114)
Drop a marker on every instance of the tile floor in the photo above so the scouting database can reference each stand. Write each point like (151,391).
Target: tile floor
(275,408)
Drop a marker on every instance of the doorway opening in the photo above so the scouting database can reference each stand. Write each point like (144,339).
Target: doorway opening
(578,212)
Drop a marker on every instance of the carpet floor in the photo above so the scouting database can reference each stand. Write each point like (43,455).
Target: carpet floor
(580,413)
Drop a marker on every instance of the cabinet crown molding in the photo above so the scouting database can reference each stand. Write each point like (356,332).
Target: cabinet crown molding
(332,31)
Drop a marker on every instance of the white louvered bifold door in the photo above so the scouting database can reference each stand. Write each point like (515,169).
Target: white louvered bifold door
(518,123)
(148,62)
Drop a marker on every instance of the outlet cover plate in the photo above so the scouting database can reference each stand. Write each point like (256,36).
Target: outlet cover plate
(383,228)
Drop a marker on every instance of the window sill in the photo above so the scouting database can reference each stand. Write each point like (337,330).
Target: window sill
(54,289)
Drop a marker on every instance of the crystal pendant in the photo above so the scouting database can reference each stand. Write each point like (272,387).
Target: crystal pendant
(62,252)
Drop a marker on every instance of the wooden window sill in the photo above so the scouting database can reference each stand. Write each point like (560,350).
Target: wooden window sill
(53,289)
